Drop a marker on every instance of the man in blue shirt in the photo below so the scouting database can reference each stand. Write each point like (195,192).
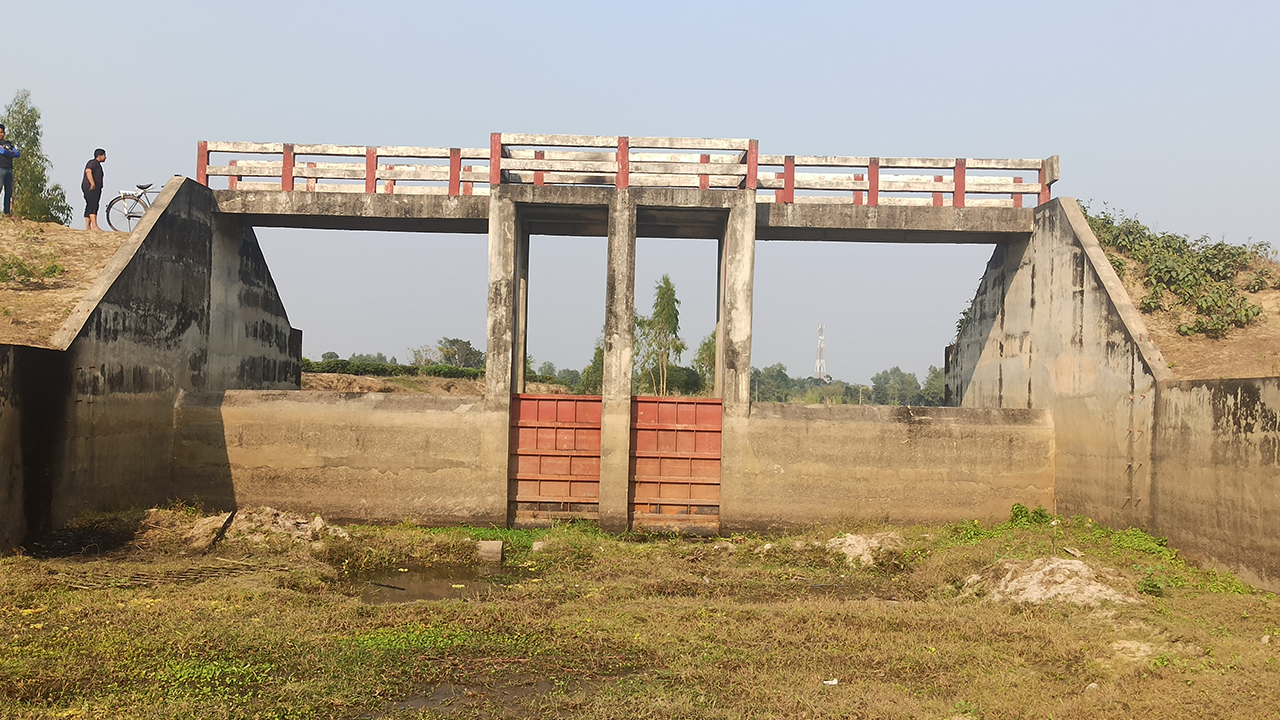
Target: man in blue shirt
(7,153)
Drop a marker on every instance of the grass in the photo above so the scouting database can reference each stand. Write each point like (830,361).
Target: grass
(633,626)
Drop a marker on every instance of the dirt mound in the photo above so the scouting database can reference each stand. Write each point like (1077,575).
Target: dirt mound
(1252,351)
(862,548)
(32,311)
(257,524)
(1044,580)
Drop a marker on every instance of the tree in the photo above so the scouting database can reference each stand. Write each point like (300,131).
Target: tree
(592,377)
(366,358)
(704,361)
(329,356)
(547,369)
(934,391)
(569,377)
(459,353)
(33,197)
(894,387)
(771,384)
(658,343)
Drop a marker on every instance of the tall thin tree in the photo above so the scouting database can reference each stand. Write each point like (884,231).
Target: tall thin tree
(33,197)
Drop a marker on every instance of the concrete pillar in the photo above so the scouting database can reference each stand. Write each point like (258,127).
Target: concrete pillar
(619,338)
(733,356)
(522,307)
(500,348)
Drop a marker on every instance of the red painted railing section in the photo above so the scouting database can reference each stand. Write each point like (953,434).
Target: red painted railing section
(554,472)
(675,464)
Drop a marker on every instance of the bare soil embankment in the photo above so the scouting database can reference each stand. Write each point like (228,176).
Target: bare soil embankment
(1252,351)
(33,308)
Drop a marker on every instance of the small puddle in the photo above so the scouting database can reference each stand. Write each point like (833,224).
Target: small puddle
(434,583)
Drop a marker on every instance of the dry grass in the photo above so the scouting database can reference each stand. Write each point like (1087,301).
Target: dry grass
(602,626)
(31,312)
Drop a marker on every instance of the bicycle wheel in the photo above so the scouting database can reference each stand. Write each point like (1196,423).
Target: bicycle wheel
(124,212)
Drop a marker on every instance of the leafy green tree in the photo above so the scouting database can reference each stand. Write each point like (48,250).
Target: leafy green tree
(33,197)
(894,387)
(547,369)
(934,392)
(658,343)
(592,377)
(771,384)
(366,358)
(569,377)
(704,360)
(459,353)
(329,356)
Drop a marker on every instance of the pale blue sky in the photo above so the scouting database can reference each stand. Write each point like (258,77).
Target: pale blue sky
(1167,110)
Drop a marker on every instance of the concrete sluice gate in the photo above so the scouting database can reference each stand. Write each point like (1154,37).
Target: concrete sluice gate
(178,374)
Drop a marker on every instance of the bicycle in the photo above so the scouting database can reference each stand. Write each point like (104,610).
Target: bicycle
(124,212)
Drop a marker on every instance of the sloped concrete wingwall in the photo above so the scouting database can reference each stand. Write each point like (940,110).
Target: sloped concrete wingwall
(185,305)
(806,464)
(348,456)
(1051,327)
(1216,490)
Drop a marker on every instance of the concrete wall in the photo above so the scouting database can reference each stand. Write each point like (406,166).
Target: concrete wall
(13,521)
(1051,327)
(356,456)
(184,305)
(1216,486)
(805,464)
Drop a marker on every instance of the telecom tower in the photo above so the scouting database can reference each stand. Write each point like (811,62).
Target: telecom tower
(820,367)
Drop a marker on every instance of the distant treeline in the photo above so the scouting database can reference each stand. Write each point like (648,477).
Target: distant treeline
(387,369)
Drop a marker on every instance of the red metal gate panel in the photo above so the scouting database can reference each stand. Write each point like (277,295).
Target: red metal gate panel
(555,458)
(675,464)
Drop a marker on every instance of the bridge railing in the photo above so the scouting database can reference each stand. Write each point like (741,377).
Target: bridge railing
(864,180)
(622,162)
(347,168)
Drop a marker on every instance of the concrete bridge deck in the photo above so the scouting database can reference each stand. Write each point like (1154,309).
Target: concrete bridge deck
(679,187)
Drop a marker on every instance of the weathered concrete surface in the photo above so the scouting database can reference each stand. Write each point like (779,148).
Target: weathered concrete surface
(357,211)
(805,464)
(1215,491)
(183,305)
(1051,327)
(661,212)
(846,222)
(13,521)
(619,344)
(350,456)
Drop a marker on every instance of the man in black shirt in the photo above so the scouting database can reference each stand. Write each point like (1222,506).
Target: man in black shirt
(91,185)
(7,153)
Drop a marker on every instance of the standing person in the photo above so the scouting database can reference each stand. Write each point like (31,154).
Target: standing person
(7,153)
(91,185)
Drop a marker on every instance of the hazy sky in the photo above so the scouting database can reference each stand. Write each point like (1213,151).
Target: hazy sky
(1166,110)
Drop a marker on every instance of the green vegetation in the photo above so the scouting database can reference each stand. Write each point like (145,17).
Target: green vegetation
(347,367)
(33,197)
(31,270)
(658,347)
(888,387)
(1204,278)
(596,625)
